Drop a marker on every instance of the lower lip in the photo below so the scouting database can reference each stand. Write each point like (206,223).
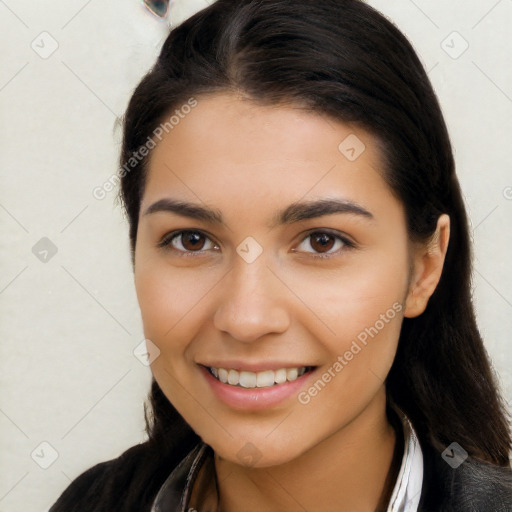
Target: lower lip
(254,398)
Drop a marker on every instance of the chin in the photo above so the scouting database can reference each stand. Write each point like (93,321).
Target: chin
(257,451)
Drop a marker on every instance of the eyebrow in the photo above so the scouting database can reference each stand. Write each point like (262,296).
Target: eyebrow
(295,212)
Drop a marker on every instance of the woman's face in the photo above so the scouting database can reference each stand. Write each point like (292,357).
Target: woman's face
(296,257)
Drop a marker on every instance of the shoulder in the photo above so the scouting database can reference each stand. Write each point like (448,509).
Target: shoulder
(128,482)
(474,486)
(97,488)
(480,487)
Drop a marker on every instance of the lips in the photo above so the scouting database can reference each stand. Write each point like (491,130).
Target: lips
(262,379)
(245,395)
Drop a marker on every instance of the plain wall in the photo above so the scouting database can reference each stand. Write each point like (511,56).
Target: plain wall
(69,325)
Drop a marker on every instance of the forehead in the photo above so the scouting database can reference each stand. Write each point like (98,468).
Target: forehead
(229,148)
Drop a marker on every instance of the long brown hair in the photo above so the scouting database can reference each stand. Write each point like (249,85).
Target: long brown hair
(344,59)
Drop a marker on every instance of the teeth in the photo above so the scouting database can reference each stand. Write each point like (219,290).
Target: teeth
(223,375)
(292,373)
(262,379)
(233,377)
(280,376)
(247,379)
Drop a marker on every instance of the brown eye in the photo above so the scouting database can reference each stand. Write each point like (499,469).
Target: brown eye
(192,241)
(187,242)
(324,244)
(321,242)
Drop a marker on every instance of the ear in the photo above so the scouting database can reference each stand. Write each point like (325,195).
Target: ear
(427,266)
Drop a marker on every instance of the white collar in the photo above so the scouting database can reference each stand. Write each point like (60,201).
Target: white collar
(407,492)
(174,495)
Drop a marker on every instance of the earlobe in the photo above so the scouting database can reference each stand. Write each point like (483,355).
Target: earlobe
(428,262)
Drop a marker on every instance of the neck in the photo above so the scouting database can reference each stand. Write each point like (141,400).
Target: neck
(353,469)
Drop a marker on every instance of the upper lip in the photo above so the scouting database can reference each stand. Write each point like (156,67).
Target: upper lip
(254,366)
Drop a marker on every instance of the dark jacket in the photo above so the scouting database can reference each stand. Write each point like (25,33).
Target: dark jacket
(130,483)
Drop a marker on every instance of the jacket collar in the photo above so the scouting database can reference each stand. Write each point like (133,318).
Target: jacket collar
(175,493)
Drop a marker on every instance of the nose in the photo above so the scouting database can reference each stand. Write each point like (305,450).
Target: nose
(252,302)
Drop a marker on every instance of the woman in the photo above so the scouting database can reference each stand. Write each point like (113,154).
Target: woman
(302,263)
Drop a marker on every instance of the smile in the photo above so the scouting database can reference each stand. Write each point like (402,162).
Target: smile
(263,379)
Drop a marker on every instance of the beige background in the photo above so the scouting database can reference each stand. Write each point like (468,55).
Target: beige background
(68,375)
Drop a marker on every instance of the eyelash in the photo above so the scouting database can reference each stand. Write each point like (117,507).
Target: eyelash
(166,242)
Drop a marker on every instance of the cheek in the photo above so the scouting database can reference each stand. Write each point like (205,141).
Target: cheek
(168,298)
(356,314)
(171,308)
(358,357)
(353,297)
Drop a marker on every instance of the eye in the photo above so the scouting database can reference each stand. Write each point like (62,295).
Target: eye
(324,244)
(187,242)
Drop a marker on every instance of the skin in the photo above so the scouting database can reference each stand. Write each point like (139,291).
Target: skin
(249,161)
